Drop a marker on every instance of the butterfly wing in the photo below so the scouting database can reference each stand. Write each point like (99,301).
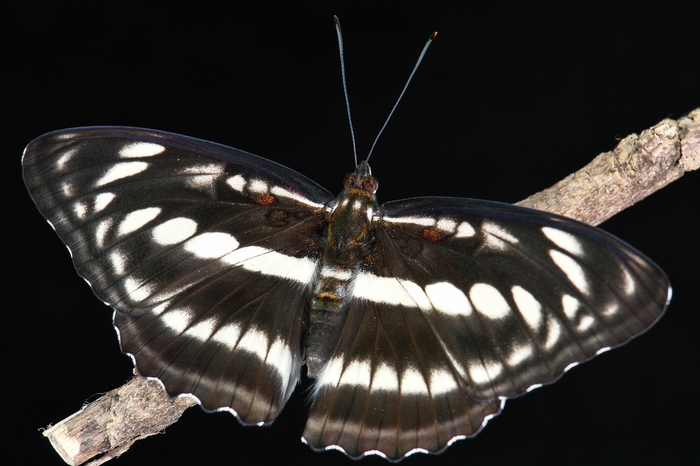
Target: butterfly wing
(204,251)
(391,391)
(461,303)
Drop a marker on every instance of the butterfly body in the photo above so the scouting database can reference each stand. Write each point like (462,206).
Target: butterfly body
(346,242)
(417,318)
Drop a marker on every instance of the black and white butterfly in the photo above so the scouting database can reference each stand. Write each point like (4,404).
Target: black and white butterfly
(417,318)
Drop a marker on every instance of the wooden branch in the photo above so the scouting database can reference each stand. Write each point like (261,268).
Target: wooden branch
(109,426)
(637,167)
(613,181)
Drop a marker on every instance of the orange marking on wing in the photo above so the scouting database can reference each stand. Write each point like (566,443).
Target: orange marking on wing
(431,235)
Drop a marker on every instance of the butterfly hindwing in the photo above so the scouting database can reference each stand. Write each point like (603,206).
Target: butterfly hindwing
(239,350)
(390,389)
(205,252)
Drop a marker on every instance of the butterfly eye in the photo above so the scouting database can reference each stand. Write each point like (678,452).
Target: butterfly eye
(348,180)
(370,184)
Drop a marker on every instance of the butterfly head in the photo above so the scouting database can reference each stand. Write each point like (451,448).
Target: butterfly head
(361,181)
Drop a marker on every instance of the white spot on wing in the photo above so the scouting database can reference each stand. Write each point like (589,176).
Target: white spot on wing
(357,374)
(413,383)
(228,335)
(68,190)
(448,299)
(102,200)
(573,270)
(529,307)
(519,354)
(611,309)
(255,342)
(282,192)
(553,332)
(478,374)
(489,301)
(102,230)
(378,289)
(257,186)
(441,381)
(570,305)
(136,290)
(279,356)
(499,232)
(80,209)
(118,261)
(65,158)
(629,284)
(273,263)
(483,374)
(243,254)
(201,330)
(465,230)
(417,294)
(121,170)
(174,231)
(201,182)
(564,240)
(237,182)
(211,245)
(136,219)
(140,149)
(331,373)
(585,323)
(385,378)
(446,224)
(423,221)
(158,310)
(211,169)
(177,320)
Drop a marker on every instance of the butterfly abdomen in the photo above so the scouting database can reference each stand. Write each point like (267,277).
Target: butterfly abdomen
(328,309)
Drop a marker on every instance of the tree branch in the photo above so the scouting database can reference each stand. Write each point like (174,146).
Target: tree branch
(637,167)
(613,181)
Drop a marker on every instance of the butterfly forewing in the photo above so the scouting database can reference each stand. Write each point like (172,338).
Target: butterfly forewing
(516,295)
(209,249)
(210,256)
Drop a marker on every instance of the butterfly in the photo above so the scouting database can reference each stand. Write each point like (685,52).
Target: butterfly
(231,275)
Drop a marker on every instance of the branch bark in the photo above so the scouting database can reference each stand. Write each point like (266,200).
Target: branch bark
(615,180)
(637,167)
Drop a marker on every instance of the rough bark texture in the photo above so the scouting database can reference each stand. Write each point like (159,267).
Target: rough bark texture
(613,181)
(106,428)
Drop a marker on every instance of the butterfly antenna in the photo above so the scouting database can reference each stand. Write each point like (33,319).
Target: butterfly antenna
(339,33)
(420,59)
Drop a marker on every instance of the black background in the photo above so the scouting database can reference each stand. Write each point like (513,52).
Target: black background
(510,99)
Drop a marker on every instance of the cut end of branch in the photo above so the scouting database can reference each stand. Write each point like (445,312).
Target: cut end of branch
(106,428)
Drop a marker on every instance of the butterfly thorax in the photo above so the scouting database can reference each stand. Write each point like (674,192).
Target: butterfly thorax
(347,239)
